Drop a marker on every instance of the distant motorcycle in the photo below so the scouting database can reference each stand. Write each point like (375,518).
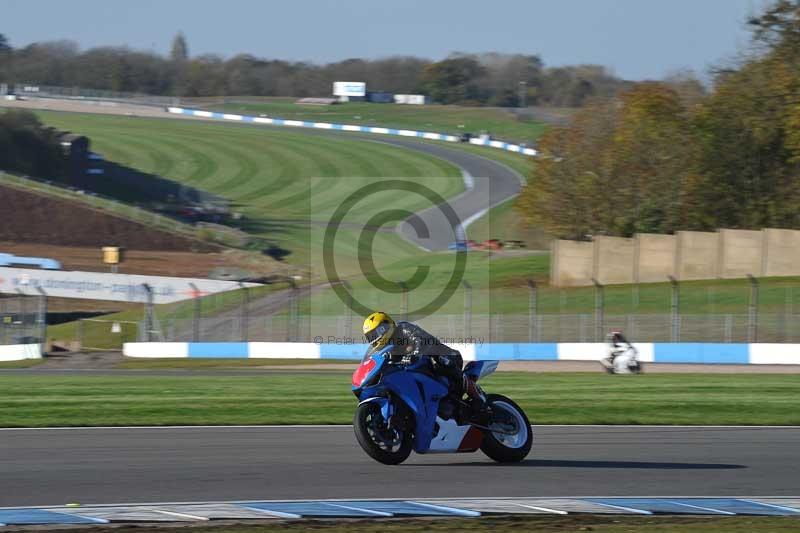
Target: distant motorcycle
(405,407)
(623,357)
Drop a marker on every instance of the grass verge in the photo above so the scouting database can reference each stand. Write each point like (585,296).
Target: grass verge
(453,119)
(25,363)
(324,398)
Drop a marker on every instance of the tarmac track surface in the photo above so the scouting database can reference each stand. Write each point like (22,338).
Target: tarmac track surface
(137,465)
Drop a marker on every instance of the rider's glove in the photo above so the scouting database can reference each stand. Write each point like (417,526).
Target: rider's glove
(408,359)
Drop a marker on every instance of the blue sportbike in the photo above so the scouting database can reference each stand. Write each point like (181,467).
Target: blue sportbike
(404,407)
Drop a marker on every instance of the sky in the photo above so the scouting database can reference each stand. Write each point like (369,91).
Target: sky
(637,39)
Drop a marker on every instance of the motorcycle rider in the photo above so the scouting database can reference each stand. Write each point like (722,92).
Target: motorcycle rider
(617,346)
(410,341)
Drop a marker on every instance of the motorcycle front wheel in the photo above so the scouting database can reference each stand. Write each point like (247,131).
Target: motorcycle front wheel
(510,437)
(385,444)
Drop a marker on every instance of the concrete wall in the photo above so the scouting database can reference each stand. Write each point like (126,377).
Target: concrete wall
(698,255)
(781,252)
(655,257)
(729,353)
(18,352)
(613,260)
(571,263)
(740,253)
(687,255)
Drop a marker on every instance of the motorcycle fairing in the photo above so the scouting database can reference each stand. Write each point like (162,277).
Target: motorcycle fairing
(420,393)
(366,370)
(480,369)
(454,438)
(387,409)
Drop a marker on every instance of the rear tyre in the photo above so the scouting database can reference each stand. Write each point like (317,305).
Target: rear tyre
(513,439)
(385,444)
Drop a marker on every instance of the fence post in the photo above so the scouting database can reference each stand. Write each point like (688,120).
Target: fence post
(198,310)
(675,307)
(752,310)
(41,317)
(787,313)
(467,308)
(349,322)
(532,312)
(80,334)
(244,319)
(148,313)
(292,329)
(349,307)
(5,327)
(728,328)
(404,287)
(23,314)
(598,310)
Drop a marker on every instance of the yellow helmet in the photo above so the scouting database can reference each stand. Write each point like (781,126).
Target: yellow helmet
(378,329)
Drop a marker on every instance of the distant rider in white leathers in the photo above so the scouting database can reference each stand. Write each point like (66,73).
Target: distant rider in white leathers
(622,355)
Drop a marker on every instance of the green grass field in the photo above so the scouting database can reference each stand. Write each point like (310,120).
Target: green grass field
(275,178)
(325,398)
(502,124)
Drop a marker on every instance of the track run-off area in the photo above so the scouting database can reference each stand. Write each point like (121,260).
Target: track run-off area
(148,464)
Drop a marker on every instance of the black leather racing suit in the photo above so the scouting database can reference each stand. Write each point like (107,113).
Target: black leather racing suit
(410,341)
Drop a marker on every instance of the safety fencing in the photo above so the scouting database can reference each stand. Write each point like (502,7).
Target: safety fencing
(237,326)
(22,319)
(100,96)
(703,353)
(733,311)
(354,128)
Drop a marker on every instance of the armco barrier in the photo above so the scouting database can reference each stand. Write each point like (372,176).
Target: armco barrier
(351,127)
(18,352)
(757,354)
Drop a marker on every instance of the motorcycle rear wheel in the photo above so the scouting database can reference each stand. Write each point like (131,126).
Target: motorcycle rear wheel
(507,448)
(386,445)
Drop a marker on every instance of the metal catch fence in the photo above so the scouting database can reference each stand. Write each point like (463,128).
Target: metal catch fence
(673,313)
(582,327)
(23,319)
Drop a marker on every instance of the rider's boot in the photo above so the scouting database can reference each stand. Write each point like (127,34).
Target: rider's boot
(480,413)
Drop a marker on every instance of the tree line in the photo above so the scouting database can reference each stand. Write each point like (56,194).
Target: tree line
(662,157)
(473,79)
